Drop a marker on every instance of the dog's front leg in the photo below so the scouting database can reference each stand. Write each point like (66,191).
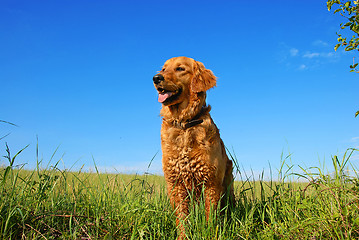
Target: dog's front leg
(180,203)
(212,195)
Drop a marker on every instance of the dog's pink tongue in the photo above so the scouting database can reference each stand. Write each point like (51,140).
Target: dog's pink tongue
(163,96)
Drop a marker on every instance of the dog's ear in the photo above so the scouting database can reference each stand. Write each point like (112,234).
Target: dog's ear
(203,78)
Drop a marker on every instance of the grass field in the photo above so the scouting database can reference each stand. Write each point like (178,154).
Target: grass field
(49,203)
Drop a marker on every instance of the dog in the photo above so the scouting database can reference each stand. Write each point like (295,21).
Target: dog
(194,158)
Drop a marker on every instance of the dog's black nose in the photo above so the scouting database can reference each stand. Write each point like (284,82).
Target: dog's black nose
(158,78)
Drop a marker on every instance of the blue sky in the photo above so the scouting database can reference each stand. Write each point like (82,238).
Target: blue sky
(78,74)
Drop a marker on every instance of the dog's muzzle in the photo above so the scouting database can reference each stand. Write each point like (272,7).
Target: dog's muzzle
(158,78)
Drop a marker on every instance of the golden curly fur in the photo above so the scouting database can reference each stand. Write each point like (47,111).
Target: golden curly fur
(193,155)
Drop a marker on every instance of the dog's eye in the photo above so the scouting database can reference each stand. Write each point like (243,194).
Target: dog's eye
(179,69)
(163,69)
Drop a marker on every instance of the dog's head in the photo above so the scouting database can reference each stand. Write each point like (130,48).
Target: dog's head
(180,78)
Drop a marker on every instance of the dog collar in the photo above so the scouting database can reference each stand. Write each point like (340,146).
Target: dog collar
(193,123)
(190,123)
(187,124)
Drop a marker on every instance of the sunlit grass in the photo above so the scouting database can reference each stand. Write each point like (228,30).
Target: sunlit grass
(49,203)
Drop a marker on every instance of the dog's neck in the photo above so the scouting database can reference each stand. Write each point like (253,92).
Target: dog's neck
(186,114)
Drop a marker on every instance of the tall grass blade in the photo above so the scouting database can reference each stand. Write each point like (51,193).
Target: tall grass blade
(2,121)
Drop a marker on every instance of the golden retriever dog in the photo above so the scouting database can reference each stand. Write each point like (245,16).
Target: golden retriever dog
(194,158)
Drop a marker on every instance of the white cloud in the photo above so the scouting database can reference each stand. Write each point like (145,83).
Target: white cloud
(293,52)
(302,67)
(305,59)
(330,54)
(320,43)
(311,55)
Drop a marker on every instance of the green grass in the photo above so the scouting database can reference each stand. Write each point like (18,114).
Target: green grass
(50,203)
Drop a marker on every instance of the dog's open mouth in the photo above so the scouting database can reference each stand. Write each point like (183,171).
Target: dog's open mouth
(165,96)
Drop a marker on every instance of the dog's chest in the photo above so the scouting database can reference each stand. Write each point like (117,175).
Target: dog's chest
(183,155)
(181,143)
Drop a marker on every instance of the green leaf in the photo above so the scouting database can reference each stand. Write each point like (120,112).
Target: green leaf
(329,5)
(337,46)
(338,10)
(352,18)
(357,113)
(356,221)
(353,66)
